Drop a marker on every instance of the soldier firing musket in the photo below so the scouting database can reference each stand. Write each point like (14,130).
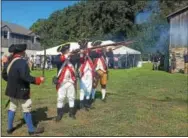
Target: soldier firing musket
(65,83)
(86,72)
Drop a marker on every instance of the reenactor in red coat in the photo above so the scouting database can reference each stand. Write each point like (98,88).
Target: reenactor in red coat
(66,83)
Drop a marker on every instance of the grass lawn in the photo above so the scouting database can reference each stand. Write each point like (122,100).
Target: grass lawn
(140,102)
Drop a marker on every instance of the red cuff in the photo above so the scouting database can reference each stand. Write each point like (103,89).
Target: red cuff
(38,81)
(62,58)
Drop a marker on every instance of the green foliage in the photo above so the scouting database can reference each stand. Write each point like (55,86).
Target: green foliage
(105,20)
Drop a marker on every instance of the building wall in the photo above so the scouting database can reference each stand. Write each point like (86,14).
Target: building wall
(179,37)
(14,38)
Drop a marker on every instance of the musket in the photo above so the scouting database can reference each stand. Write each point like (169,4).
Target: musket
(7,103)
(118,44)
(123,43)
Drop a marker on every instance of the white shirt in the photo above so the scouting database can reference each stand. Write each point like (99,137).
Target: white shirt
(67,76)
(87,67)
(100,65)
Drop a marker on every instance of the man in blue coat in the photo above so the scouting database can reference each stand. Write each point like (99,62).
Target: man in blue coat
(17,75)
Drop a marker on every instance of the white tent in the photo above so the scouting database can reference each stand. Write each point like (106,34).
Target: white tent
(125,50)
(127,57)
(53,50)
(73,46)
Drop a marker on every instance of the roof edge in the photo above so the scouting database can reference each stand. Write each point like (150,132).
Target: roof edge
(176,12)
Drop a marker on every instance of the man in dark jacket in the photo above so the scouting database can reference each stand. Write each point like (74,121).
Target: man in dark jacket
(186,61)
(110,56)
(17,75)
(155,62)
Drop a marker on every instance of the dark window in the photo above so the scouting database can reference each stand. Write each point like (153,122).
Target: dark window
(37,39)
(32,39)
(5,34)
(25,39)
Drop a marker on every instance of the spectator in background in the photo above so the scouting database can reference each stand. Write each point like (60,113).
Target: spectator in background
(186,61)
(173,63)
(155,60)
(115,62)
(49,62)
(32,62)
(38,61)
(110,56)
(162,60)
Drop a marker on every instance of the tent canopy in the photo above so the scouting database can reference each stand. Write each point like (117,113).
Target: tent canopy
(125,50)
(53,50)
(75,45)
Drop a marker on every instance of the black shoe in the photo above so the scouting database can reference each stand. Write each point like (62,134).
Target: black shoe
(71,113)
(81,104)
(59,114)
(10,131)
(87,104)
(37,131)
(72,116)
(92,101)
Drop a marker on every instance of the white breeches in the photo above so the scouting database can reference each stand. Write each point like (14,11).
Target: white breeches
(26,104)
(66,90)
(86,83)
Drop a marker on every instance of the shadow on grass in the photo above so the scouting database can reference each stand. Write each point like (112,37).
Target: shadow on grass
(22,122)
(76,108)
(39,115)
(98,95)
(169,99)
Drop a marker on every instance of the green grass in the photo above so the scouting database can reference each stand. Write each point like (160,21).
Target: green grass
(140,102)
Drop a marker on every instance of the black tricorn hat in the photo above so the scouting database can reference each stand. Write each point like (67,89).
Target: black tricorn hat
(16,48)
(96,43)
(63,48)
(83,43)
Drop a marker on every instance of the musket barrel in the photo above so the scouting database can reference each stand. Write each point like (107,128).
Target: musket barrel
(107,45)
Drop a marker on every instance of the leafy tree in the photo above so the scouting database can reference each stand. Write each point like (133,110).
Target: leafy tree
(103,20)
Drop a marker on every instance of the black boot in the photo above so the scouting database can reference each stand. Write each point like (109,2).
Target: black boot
(72,113)
(92,101)
(37,131)
(59,114)
(81,104)
(87,105)
(10,131)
